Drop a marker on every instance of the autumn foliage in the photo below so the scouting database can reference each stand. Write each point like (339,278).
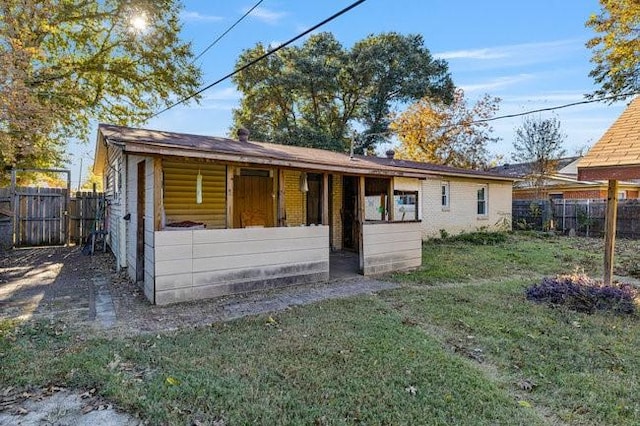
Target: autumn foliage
(448,134)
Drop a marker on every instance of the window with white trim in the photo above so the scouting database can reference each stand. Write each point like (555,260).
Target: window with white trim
(482,200)
(445,190)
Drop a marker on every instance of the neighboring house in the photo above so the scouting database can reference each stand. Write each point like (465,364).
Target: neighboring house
(562,184)
(199,216)
(615,158)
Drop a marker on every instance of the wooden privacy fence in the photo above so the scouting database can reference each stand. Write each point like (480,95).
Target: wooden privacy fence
(582,217)
(46,216)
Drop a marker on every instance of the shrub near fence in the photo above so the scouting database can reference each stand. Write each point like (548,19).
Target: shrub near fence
(582,217)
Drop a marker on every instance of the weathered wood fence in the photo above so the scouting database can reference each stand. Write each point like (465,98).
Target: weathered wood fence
(46,216)
(582,217)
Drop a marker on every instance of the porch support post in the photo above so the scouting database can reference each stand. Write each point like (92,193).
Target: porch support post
(390,201)
(610,230)
(325,198)
(360,222)
(157,194)
(282,212)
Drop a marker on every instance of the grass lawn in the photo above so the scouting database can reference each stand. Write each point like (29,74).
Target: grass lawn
(474,353)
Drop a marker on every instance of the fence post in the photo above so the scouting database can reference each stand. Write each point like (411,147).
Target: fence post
(588,217)
(564,215)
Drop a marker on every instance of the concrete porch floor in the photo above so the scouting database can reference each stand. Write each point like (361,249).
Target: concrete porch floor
(343,264)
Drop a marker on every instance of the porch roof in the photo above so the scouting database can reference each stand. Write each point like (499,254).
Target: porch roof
(161,143)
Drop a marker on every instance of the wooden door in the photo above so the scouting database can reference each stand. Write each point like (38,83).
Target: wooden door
(253,201)
(314,199)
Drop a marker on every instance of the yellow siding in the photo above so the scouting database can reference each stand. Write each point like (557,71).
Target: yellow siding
(336,220)
(180,193)
(295,200)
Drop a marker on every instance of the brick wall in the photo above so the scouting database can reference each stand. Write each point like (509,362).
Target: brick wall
(592,194)
(336,220)
(461,215)
(295,200)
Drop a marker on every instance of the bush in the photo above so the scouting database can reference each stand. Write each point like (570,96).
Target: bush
(483,238)
(583,294)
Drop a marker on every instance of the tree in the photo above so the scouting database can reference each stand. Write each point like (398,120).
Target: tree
(66,63)
(452,135)
(539,141)
(616,50)
(318,93)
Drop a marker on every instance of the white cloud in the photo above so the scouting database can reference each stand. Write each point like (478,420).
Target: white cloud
(266,15)
(471,54)
(226,94)
(496,83)
(188,15)
(515,54)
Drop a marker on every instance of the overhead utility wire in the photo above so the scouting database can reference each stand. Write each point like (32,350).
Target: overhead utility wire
(258,59)
(572,104)
(213,43)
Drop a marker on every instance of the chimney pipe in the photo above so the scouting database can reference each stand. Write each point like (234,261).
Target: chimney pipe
(390,154)
(243,134)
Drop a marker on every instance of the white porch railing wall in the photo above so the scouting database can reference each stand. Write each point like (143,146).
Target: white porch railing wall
(200,264)
(391,247)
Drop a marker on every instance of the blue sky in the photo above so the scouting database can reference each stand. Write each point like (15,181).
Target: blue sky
(530,54)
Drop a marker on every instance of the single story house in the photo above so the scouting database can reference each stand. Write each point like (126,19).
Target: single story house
(562,184)
(194,216)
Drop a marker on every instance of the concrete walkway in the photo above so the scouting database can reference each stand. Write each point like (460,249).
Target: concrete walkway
(303,295)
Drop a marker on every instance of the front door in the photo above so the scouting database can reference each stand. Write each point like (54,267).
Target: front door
(253,199)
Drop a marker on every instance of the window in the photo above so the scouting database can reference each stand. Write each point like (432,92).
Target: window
(622,195)
(405,205)
(445,194)
(482,200)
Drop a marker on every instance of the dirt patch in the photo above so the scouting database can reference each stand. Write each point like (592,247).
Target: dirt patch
(59,406)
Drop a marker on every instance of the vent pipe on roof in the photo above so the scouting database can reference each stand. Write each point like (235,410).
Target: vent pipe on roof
(390,154)
(243,134)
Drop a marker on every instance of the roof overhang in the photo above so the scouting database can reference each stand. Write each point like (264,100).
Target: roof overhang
(356,166)
(618,172)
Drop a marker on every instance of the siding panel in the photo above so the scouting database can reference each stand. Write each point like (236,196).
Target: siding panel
(391,247)
(230,261)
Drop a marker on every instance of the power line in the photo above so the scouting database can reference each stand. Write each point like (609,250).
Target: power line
(213,43)
(258,59)
(533,111)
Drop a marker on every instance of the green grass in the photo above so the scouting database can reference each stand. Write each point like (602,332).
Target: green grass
(520,255)
(338,362)
(471,351)
(584,367)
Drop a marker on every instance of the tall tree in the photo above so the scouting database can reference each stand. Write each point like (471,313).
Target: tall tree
(616,48)
(66,63)
(452,135)
(539,141)
(318,93)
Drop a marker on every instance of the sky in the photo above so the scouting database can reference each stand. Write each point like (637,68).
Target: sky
(530,54)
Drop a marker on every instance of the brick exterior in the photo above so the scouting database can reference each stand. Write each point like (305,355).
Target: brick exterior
(295,200)
(336,220)
(598,193)
(461,215)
